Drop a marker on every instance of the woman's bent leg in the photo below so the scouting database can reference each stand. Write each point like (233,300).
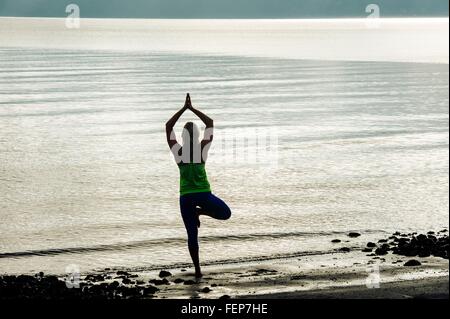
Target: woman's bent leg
(214,207)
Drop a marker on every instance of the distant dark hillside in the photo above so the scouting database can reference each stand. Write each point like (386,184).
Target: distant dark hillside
(223,8)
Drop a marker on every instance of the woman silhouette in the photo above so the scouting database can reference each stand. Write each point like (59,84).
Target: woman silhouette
(195,191)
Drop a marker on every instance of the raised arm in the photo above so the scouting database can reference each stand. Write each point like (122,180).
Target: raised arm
(208,136)
(170,134)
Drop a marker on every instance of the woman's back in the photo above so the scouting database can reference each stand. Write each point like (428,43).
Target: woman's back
(193,178)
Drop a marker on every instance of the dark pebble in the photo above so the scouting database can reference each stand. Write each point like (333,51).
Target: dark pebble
(371,245)
(225,297)
(126,281)
(354,235)
(163,274)
(381,252)
(412,263)
(150,290)
(335,241)
(421,237)
(345,249)
(159,282)
(206,290)
(178,281)
(189,282)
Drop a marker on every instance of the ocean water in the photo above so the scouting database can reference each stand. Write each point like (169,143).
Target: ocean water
(360,114)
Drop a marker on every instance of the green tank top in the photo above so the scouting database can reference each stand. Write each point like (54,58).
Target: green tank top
(193,179)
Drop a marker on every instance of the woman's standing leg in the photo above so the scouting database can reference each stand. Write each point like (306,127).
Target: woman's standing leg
(190,218)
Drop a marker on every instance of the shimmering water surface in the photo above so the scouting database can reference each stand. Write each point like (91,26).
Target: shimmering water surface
(86,177)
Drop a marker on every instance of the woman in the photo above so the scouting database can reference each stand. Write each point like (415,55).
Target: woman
(195,191)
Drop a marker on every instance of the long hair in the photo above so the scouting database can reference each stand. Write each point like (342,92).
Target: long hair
(191,150)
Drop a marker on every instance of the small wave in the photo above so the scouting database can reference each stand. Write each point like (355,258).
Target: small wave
(161,242)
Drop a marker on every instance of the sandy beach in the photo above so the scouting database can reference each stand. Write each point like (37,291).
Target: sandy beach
(293,279)
(338,278)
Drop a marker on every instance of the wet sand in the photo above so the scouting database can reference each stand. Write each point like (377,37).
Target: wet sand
(337,276)
(428,288)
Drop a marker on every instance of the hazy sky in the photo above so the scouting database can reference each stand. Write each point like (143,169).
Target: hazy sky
(223,8)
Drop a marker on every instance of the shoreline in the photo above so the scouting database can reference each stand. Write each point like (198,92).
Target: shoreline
(402,266)
(275,279)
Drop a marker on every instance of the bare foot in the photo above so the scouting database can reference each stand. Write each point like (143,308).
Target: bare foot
(198,274)
(198,211)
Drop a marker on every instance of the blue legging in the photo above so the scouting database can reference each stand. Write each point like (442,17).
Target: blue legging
(209,205)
